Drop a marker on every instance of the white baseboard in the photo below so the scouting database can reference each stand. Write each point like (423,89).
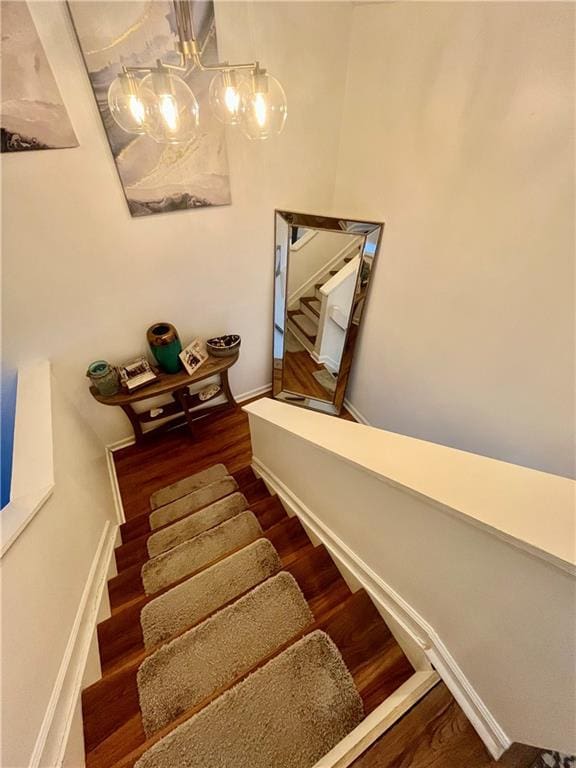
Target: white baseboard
(253,393)
(53,736)
(493,736)
(111,466)
(356,413)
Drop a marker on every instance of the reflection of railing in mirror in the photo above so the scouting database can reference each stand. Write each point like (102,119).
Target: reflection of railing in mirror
(322,269)
(321,292)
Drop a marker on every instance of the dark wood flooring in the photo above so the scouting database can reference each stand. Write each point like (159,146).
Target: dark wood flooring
(434,734)
(437,734)
(163,459)
(298,376)
(142,469)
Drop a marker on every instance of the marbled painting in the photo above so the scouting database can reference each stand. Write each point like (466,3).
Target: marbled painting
(156,177)
(32,113)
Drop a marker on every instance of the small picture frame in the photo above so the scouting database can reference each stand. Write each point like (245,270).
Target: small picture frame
(194,355)
(137,373)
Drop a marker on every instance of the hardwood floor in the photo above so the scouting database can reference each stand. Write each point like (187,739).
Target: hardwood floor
(222,437)
(434,734)
(113,730)
(298,376)
(437,734)
(141,470)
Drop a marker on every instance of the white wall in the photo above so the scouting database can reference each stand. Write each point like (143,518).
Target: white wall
(458,132)
(474,556)
(83,280)
(50,579)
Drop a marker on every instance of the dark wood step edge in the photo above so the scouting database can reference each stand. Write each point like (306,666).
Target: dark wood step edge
(139,602)
(253,492)
(132,575)
(129,760)
(140,544)
(124,678)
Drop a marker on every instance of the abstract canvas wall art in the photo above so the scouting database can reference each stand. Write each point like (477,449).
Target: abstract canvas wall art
(156,177)
(32,114)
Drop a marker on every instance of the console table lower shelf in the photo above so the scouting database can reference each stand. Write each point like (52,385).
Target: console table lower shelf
(184,407)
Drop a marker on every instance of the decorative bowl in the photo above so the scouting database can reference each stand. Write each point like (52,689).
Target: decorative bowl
(223,346)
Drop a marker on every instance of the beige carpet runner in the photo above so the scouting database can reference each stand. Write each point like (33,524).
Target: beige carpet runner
(188,603)
(187,485)
(235,609)
(210,656)
(192,502)
(288,714)
(192,525)
(190,556)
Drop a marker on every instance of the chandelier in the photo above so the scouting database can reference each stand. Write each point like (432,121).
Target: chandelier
(157,101)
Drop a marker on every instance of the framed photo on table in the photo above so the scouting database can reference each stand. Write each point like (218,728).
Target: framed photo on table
(194,355)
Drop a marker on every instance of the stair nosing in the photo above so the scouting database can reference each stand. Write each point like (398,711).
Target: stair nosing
(315,625)
(145,536)
(110,669)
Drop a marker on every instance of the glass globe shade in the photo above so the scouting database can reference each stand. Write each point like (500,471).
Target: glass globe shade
(125,104)
(263,108)
(224,97)
(172,112)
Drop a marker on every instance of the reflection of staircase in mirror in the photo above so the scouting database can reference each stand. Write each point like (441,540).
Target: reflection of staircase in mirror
(304,320)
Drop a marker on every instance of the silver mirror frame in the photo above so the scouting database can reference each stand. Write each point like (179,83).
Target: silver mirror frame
(371,233)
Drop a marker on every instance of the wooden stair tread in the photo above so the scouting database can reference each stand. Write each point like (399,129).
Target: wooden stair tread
(120,636)
(287,536)
(110,700)
(298,318)
(354,625)
(139,525)
(268,510)
(309,301)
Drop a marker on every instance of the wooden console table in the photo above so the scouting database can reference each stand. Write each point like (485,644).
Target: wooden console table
(177,385)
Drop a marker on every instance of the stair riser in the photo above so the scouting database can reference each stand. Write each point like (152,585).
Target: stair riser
(269,511)
(117,635)
(120,636)
(306,310)
(300,336)
(355,627)
(127,586)
(308,329)
(139,526)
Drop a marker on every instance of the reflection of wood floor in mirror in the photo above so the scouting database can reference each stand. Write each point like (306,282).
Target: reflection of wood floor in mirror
(299,369)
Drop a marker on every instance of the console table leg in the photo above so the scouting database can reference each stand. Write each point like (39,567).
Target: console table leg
(226,389)
(182,396)
(135,421)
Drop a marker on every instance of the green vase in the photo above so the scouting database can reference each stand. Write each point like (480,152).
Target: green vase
(165,346)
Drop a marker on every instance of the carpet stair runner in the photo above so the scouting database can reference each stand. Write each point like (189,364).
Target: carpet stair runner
(233,641)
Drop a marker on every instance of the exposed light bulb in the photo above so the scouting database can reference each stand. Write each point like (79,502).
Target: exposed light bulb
(137,109)
(260,109)
(263,108)
(224,97)
(125,103)
(172,113)
(169,111)
(232,100)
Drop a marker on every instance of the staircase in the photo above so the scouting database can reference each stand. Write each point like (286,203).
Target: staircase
(232,640)
(305,318)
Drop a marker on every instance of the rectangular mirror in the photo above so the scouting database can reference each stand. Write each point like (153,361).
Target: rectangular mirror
(322,273)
